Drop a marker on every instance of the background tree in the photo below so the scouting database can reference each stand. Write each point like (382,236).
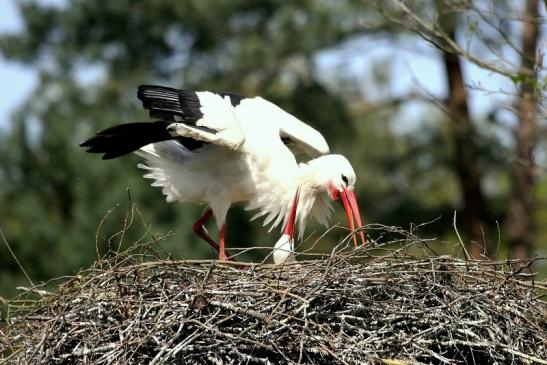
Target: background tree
(522,204)
(494,26)
(476,222)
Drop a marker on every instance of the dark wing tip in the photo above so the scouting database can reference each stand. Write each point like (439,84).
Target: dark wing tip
(145,87)
(111,156)
(123,139)
(150,92)
(91,143)
(235,99)
(185,100)
(167,103)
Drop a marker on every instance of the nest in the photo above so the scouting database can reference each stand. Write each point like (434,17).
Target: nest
(373,305)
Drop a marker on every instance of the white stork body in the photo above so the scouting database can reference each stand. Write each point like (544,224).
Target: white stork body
(219,149)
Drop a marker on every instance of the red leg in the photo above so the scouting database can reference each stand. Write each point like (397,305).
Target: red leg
(198,229)
(222,252)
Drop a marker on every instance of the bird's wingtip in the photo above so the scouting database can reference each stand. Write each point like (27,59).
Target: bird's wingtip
(144,88)
(85,143)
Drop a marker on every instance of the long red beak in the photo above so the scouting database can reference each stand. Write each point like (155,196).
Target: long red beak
(352,211)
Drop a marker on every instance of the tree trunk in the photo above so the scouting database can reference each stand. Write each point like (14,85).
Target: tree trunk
(521,225)
(474,214)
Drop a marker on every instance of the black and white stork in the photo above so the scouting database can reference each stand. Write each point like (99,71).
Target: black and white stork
(221,148)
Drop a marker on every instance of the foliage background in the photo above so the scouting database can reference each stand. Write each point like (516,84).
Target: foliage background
(59,205)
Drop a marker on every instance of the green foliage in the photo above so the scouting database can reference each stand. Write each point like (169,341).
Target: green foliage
(55,199)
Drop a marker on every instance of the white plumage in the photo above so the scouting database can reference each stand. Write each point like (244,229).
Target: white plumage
(219,149)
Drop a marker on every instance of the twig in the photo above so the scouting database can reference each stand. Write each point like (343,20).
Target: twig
(460,238)
(524,356)
(15,258)
(354,307)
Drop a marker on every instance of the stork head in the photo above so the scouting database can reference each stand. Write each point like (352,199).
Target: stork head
(335,174)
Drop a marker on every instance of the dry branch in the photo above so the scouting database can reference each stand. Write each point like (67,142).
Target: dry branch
(354,307)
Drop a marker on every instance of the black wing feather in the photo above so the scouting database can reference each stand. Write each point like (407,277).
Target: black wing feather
(234,98)
(162,102)
(166,103)
(122,139)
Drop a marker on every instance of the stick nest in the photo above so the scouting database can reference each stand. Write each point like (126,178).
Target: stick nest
(375,305)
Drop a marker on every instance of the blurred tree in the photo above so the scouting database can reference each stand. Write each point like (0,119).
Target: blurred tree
(522,206)
(489,30)
(476,221)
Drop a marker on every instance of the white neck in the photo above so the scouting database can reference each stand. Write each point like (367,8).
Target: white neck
(274,198)
(314,200)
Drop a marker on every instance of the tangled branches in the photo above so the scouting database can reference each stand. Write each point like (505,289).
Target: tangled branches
(353,307)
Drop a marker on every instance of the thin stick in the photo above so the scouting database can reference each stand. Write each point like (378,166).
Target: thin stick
(524,356)
(15,258)
(460,238)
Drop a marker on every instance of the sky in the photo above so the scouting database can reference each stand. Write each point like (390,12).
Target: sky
(415,66)
(17,81)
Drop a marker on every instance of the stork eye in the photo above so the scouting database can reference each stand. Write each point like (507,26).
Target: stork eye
(345,180)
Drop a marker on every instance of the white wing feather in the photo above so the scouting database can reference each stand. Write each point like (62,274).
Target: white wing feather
(306,138)
(219,124)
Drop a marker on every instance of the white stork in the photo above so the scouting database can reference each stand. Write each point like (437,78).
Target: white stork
(220,148)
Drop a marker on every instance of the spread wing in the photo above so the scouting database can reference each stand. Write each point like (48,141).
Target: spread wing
(195,118)
(297,135)
(201,115)
(190,118)
(301,137)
